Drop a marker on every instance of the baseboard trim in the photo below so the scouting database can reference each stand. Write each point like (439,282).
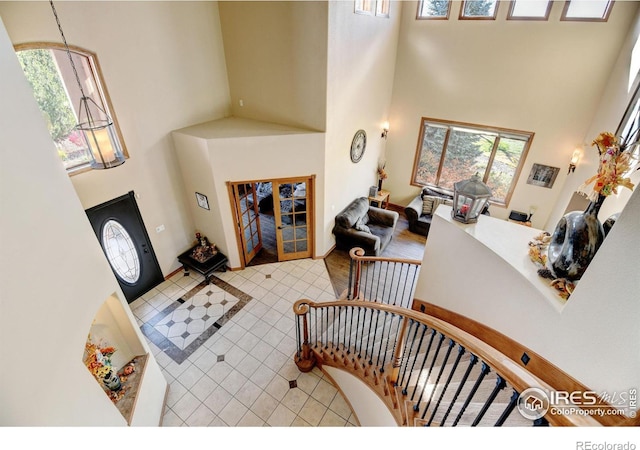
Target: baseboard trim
(333,247)
(173,273)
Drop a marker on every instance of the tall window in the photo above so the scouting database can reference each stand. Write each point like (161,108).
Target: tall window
(48,70)
(629,131)
(449,152)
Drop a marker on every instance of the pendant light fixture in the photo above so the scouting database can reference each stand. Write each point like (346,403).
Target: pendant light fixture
(94,122)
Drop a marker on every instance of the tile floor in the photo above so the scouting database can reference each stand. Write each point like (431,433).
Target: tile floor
(227,348)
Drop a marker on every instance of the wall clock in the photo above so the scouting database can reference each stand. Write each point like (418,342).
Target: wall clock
(358,145)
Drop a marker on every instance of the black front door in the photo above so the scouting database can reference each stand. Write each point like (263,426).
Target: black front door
(124,239)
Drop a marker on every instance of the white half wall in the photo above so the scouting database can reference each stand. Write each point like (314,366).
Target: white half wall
(482,271)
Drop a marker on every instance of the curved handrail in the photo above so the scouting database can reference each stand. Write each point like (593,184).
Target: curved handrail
(519,378)
(357,254)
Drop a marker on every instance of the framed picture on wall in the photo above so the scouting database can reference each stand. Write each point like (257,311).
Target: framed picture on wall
(542,175)
(203,202)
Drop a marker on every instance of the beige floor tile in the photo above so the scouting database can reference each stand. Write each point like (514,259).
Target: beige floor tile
(295,399)
(312,411)
(233,412)
(281,417)
(264,406)
(201,417)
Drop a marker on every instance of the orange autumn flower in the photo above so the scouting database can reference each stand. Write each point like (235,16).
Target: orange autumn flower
(604,141)
(612,169)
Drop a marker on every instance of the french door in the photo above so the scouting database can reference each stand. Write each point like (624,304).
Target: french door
(293,213)
(121,232)
(292,216)
(247,218)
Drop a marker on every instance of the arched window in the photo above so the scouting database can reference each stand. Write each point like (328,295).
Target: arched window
(55,88)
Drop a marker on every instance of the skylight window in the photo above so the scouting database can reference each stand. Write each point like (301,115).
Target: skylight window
(529,10)
(587,10)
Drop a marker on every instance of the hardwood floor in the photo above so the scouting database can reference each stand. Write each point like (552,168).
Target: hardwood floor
(404,244)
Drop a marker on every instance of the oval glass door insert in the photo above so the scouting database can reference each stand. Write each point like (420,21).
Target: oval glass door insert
(121,251)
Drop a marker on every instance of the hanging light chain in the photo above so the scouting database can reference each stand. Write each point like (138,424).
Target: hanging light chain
(66,46)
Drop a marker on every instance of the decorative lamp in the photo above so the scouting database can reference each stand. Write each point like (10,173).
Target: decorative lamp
(575,157)
(470,197)
(385,130)
(94,121)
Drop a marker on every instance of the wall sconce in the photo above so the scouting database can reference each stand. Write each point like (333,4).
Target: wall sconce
(385,129)
(574,160)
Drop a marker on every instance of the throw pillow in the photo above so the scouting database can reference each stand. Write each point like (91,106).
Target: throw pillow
(429,203)
(360,226)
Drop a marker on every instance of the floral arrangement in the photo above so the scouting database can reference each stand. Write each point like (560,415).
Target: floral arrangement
(98,359)
(382,174)
(615,162)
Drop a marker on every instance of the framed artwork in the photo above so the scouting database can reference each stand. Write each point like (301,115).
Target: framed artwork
(202,200)
(542,175)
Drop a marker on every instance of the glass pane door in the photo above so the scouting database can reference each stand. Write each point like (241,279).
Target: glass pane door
(248,219)
(292,217)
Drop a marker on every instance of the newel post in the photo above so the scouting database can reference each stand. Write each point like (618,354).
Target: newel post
(356,254)
(399,350)
(304,358)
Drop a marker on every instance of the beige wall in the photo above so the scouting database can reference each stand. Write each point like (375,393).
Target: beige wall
(53,277)
(618,94)
(362,52)
(276,54)
(163,64)
(236,149)
(543,77)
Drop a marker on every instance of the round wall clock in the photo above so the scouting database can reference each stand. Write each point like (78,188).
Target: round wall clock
(358,145)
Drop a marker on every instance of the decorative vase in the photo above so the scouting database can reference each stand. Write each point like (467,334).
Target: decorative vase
(379,184)
(112,381)
(575,241)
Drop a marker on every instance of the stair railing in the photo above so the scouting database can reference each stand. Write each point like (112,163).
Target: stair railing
(385,280)
(428,372)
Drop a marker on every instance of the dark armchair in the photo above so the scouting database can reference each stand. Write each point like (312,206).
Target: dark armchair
(420,211)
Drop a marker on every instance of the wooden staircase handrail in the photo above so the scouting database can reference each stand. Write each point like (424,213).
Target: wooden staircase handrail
(519,378)
(357,254)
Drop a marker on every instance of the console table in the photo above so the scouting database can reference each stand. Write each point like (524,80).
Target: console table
(206,268)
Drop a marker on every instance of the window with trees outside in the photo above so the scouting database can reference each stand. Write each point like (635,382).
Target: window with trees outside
(449,152)
(479,9)
(55,88)
(433,9)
